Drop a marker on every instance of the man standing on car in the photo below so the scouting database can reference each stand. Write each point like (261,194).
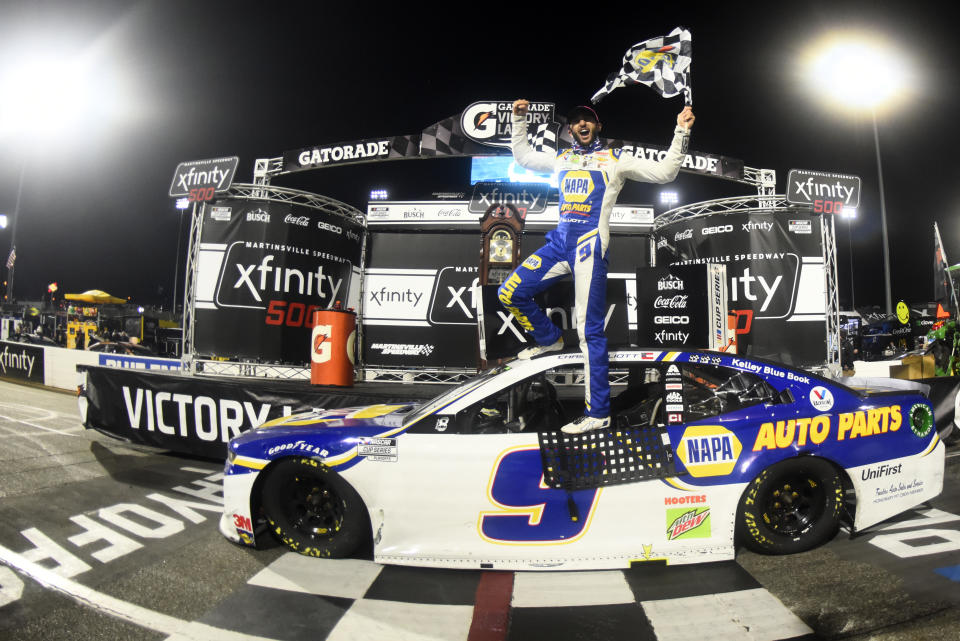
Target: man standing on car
(590,177)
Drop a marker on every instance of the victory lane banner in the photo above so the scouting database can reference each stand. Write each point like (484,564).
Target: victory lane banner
(21,362)
(263,269)
(198,416)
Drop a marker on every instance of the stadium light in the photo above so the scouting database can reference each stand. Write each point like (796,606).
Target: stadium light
(378,194)
(669,198)
(862,72)
(3,221)
(182,203)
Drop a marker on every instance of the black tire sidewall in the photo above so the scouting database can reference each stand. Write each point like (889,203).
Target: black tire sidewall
(757,535)
(341,543)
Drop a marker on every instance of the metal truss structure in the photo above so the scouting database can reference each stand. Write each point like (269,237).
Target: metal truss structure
(777,203)
(260,192)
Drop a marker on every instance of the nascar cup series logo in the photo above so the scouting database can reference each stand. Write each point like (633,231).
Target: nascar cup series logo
(709,450)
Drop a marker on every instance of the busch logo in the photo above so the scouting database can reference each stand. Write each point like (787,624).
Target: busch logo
(258,216)
(670,283)
(679,301)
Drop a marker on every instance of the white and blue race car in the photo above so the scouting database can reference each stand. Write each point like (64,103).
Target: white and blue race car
(705,451)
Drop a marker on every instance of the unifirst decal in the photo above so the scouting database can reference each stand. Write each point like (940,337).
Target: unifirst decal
(815,431)
(709,450)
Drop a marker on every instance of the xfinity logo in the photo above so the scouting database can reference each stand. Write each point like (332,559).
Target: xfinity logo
(258,216)
(754,288)
(302,221)
(757,226)
(272,279)
(384,296)
(527,198)
(454,299)
(352,235)
(683,235)
(719,229)
(216,173)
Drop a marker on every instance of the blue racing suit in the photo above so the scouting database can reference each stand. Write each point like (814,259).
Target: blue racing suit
(589,181)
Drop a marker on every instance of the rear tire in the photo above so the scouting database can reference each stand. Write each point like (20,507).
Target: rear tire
(312,510)
(791,507)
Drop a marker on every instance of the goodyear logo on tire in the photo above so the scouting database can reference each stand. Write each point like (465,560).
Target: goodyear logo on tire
(576,186)
(709,450)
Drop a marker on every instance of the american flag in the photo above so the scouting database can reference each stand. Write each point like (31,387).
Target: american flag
(663,64)
(12,258)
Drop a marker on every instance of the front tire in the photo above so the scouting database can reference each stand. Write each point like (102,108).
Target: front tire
(791,507)
(312,510)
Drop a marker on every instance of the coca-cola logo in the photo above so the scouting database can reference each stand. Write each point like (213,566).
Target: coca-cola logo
(303,221)
(683,235)
(678,301)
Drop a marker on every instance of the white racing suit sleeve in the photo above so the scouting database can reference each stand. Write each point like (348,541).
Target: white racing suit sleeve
(657,171)
(523,153)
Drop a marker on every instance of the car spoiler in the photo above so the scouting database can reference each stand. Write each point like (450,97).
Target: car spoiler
(868,386)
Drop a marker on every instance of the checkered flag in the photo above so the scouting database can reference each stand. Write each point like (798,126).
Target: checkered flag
(545,138)
(663,64)
(12,258)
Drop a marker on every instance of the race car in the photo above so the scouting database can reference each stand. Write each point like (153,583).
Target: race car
(705,451)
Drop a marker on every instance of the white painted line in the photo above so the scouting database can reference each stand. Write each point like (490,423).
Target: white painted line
(373,619)
(346,578)
(563,589)
(751,615)
(41,427)
(111,606)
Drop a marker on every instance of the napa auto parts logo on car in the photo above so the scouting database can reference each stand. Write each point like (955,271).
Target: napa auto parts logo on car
(490,122)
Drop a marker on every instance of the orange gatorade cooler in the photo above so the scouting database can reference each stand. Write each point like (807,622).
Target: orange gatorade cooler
(331,347)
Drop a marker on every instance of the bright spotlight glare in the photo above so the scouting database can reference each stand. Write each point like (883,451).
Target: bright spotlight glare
(3,221)
(848,212)
(862,72)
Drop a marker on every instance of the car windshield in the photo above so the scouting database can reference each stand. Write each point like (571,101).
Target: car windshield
(454,393)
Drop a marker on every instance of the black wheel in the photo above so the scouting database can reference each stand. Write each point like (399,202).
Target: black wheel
(312,510)
(790,507)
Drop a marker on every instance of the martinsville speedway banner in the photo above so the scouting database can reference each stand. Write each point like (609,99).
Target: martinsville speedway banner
(484,128)
(774,277)
(199,415)
(263,268)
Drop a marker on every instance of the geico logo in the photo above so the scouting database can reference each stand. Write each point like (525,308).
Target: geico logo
(188,416)
(816,430)
(709,450)
(719,229)
(671,320)
(329,227)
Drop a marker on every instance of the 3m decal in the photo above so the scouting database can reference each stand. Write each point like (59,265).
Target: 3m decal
(688,523)
(815,431)
(709,450)
(530,512)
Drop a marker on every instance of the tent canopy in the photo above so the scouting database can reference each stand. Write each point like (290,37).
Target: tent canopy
(95,296)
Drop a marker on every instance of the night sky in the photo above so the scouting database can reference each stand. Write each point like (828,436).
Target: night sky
(202,79)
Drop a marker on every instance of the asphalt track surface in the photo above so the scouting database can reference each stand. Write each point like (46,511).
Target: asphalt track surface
(104,540)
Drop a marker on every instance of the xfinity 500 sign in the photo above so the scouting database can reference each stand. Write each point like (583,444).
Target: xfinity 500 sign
(263,269)
(825,192)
